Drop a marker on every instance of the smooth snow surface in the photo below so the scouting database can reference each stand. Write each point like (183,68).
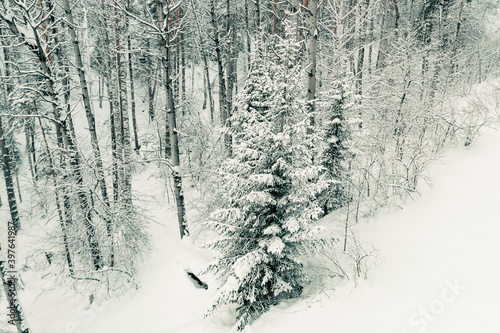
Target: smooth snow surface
(441,267)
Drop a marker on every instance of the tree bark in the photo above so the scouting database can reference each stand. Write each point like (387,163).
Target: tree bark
(137,146)
(311,65)
(63,217)
(383,37)
(222,84)
(9,183)
(205,64)
(123,116)
(457,32)
(229,78)
(174,145)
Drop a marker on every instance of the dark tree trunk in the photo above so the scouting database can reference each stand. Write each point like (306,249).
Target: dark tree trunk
(174,145)
(9,183)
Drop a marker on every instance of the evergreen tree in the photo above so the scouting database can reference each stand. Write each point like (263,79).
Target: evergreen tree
(336,153)
(268,193)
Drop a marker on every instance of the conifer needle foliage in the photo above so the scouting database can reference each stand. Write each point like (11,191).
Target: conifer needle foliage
(268,194)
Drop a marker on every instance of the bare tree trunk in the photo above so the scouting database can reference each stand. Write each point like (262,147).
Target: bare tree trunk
(383,37)
(361,51)
(114,116)
(311,64)
(123,124)
(101,91)
(222,85)
(62,221)
(137,146)
(205,64)
(294,18)
(257,15)
(247,27)
(151,109)
(370,47)
(229,78)
(183,62)
(15,311)
(457,32)
(30,147)
(167,61)
(396,17)
(235,54)
(205,95)
(9,183)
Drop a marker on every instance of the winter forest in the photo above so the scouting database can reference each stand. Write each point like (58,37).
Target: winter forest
(228,165)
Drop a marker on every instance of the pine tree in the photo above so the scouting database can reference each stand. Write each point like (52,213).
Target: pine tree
(268,193)
(336,153)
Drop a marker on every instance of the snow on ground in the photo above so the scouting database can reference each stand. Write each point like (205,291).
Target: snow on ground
(439,272)
(440,269)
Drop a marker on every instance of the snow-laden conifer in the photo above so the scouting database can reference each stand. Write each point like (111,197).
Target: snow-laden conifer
(339,104)
(268,192)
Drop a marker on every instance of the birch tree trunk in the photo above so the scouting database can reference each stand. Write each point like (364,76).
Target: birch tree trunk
(174,145)
(123,117)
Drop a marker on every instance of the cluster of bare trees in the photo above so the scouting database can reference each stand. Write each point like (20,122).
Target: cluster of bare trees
(183,63)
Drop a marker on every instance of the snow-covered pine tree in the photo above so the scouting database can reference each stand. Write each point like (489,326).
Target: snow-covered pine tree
(267,197)
(337,134)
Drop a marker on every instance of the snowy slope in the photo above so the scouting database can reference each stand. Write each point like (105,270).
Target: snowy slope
(441,266)
(439,273)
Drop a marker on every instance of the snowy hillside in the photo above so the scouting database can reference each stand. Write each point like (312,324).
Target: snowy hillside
(438,273)
(197,166)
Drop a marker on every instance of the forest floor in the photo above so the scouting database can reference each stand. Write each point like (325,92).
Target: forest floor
(438,273)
